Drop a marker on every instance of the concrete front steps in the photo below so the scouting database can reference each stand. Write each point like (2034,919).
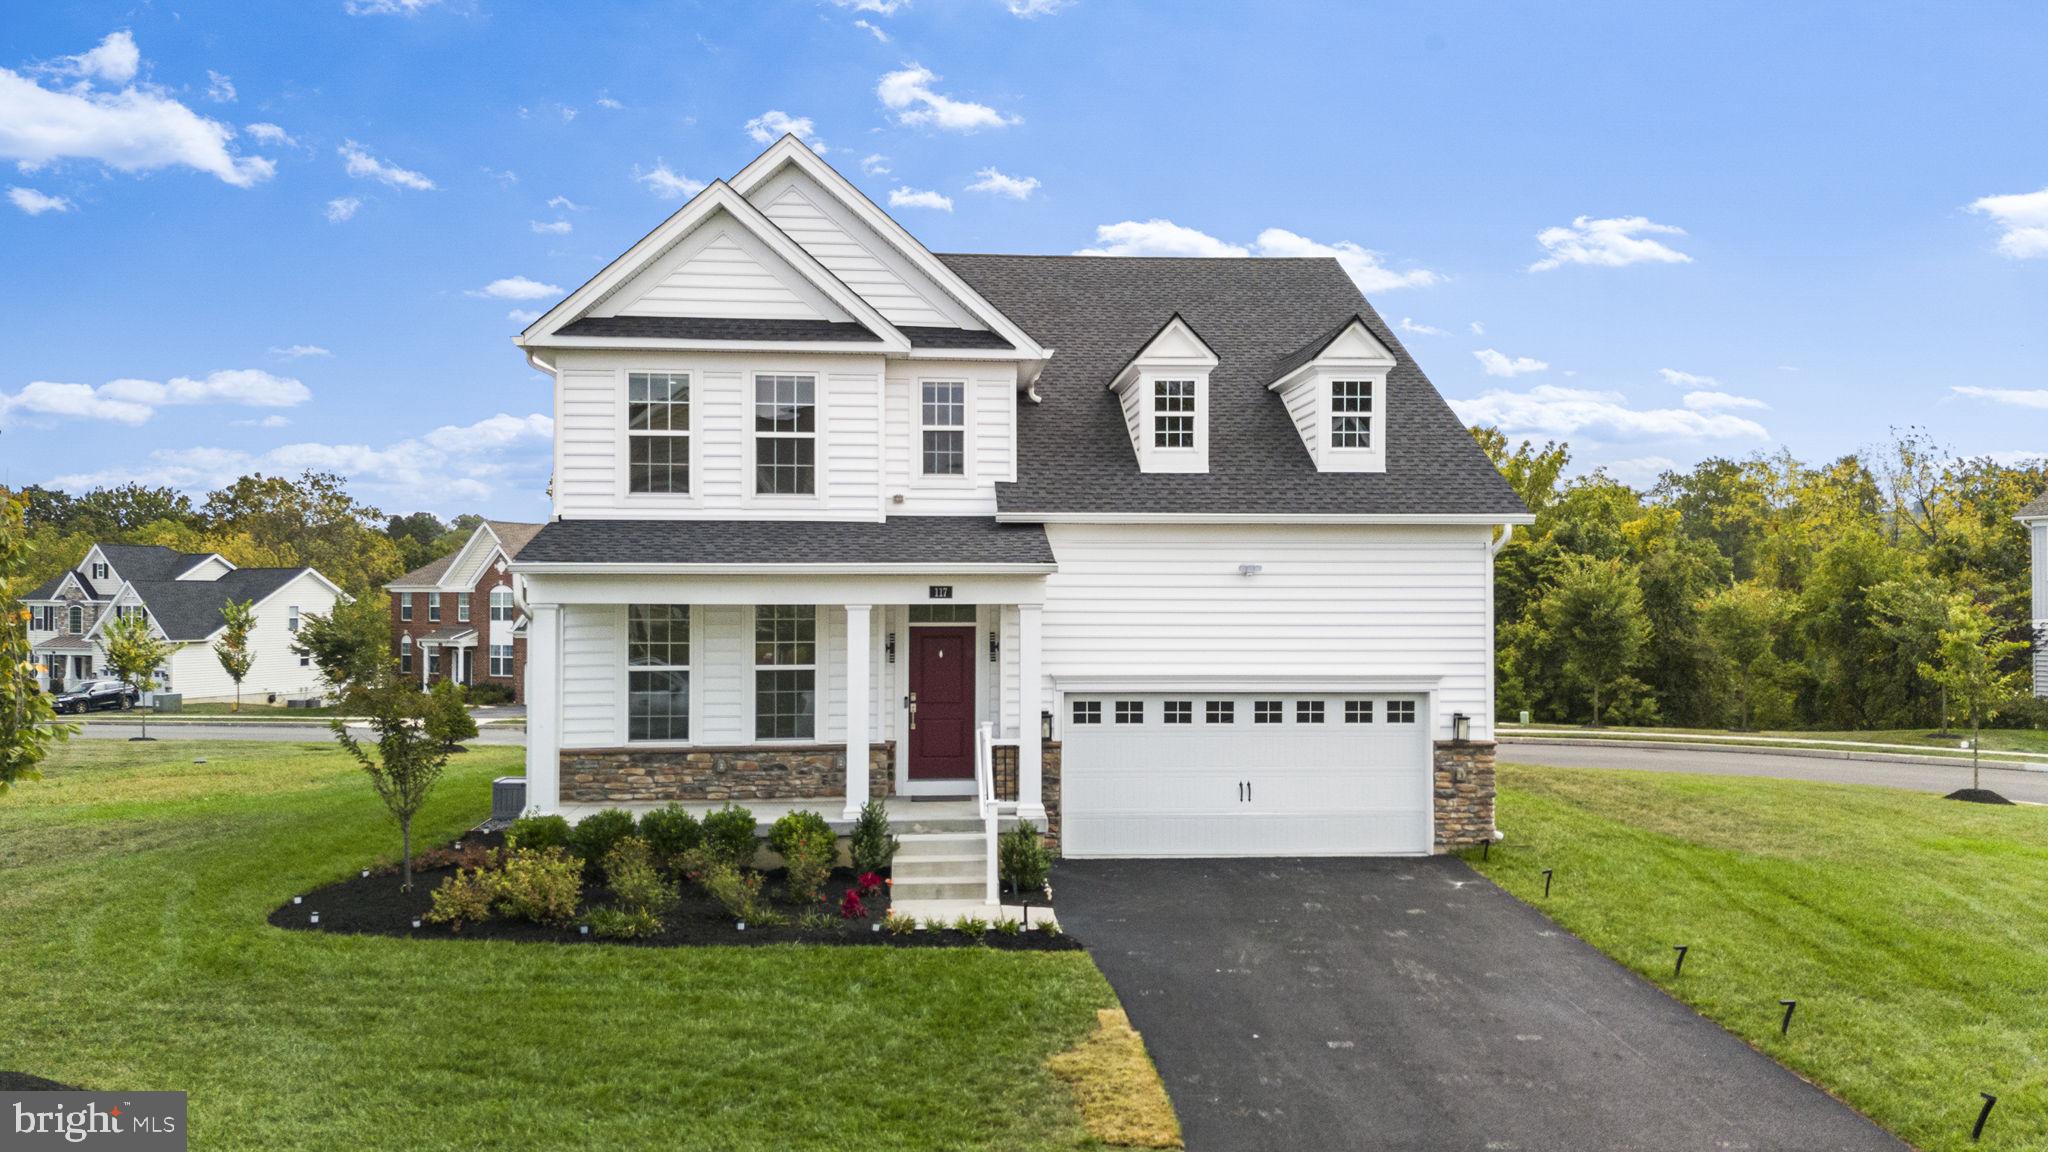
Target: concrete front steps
(940,872)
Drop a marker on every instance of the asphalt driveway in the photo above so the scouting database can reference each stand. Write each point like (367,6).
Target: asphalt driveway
(1410,1004)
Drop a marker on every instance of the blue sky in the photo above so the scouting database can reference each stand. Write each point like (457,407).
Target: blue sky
(241,236)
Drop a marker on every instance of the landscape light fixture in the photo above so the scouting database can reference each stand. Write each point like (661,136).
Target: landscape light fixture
(1250,569)
(889,648)
(1045,726)
(314,919)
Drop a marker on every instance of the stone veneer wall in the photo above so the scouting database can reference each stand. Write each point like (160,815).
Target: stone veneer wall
(1049,790)
(747,773)
(1464,808)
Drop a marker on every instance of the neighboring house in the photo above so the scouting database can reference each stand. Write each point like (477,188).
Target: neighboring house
(2035,517)
(455,619)
(181,594)
(1183,556)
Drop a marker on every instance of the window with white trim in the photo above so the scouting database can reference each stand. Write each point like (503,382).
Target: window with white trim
(99,570)
(77,620)
(405,653)
(658,432)
(1268,712)
(785,672)
(1179,711)
(943,417)
(501,660)
(1220,712)
(1087,711)
(433,661)
(1173,413)
(1400,711)
(785,435)
(501,604)
(405,605)
(42,619)
(1308,711)
(1351,414)
(1358,711)
(433,607)
(461,608)
(1130,711)
(291,620)
(657,671)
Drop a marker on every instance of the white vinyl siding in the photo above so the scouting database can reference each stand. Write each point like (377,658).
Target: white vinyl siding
(855,254)
(593,675)
(197,672)
(991,397)
(724,276)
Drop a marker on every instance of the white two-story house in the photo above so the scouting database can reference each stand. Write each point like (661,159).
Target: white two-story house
(1179,556)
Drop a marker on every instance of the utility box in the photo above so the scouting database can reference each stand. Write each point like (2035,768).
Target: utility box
(508,798)
(167,701)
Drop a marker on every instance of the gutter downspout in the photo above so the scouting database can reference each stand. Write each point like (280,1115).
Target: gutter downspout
(1507,532)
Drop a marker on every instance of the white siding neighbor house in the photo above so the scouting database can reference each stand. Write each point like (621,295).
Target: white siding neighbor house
(2035,517)
(181,595)
(1172,557)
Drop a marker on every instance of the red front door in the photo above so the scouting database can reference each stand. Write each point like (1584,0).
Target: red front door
(942,681)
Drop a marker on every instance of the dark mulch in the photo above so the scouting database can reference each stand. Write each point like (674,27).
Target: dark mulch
(23,1082)
(374,906)
(1977,796)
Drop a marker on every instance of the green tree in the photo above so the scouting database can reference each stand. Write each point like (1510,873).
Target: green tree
(448,719)
(351,644)
(233,647)
(406,761)
(1531,471)
(1594,613)
(28,725)
(316,520)
(134,653)
(1853,681)
(1742,622)
(417,535)
(1971,664)
(1911,612)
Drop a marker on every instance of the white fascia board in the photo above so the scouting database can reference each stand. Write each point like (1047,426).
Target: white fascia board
(718,195)
(996,354)
(1147,682)
(1489,519)
(657,344)
(790,150)
(2030,520)
(1202,359)
(608,568)
(481,534)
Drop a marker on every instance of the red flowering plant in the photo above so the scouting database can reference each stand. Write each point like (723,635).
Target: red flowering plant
(852,907)
(869,883)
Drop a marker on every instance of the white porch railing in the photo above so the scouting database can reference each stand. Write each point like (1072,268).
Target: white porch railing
(985,797)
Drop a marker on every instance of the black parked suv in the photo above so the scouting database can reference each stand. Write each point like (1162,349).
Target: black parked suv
(97,695)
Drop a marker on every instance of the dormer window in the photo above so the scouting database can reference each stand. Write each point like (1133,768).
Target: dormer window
(1336,391)
(1173,413)
(1350,413)
(1164,390)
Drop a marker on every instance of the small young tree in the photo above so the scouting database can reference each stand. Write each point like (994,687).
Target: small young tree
(28,725)
(1970,665)
(1595,613)
(406,761)
(134,653)
(448,719)
(233,647)
(1741,623)
(351,644)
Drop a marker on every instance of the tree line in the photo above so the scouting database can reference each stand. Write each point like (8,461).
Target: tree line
(1885,589)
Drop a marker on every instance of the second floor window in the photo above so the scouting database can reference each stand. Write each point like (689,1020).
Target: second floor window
(291,623)
(433,607)
(658,416)
(944,418)
(461,608)
(1351,414)
(99,570)
(77,621)
(501,604)
(786,435)
(405,605)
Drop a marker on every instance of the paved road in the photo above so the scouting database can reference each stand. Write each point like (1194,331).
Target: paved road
(1409,1004)
(277,731)
(2012,783)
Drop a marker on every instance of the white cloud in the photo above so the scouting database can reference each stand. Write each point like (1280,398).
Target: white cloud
(667,184)
(2016,397)
(517,288)
(878,7)
(271,421)
(1557,412)
(1677,379)
(342,209)
(266,133)
(1719,401)
(1639,471)
(386,7)
(875,164)
(1033,9)
(362,165)
(1499,364)
(609,104)
(299,351)
(909,94)
(2024,216)
(219,88)
(1478,329)
(994,182)
(2017,457)
(36,203)
(877,33)
(919,198)
(505,177)
(552,227)
(1158,237)
(565,204)
(1414,329)
(525,315)
(774,124)
(135,129)
(133,401)
(1613,243)
(456,462)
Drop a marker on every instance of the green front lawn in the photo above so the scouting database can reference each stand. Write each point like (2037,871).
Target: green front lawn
(1912,930)
(1994,739)
(134,955)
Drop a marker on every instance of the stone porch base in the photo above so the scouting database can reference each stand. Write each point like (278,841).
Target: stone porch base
(1464,793)
(740,774)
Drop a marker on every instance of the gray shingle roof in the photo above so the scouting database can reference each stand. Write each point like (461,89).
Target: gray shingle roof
(1256,314)
(924,337)
(715,328)
(937,540)
(2038,506)
(148,561)
(47,590)
(190,609)
(513,534)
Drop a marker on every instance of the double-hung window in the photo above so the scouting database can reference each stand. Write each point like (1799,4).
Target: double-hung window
(501,604)
(77,621)
(433,607)
(405,605)
(1173,413)
(944,420)
(785,672)
(405,653)
(461,608)
(1351,414)
(99,570)
(501,665)
(291,621)
(658,436)
(657,671)
(785,435)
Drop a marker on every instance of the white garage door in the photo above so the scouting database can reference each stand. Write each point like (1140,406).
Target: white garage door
(1273,774)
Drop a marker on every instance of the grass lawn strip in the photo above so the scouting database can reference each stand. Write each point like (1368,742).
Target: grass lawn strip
(1123,1101)
(132,927)
(1908,927)
(2009,747)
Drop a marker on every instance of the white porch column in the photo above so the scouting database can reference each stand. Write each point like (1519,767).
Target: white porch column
(544,707)
(1030,750)
(425,653)
(858,658)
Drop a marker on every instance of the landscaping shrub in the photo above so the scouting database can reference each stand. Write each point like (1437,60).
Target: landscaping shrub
(539,833)
(595,834)
(541,886)
(972,927)
(738,891)
(636,886)
(873,846)
(809,848)
(469,855)
(794,825)
(1008,927)
(490,692)
(623,924)
(729,836)
(1022,859)
(464,898)
(852,907)
(670,833)
(447,718)
(896,924)
(815,920)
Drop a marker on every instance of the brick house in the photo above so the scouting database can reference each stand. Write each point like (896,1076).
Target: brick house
(456,619)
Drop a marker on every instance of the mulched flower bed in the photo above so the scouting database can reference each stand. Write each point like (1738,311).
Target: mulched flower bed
(1977,796)
(374,906)
(23,1082)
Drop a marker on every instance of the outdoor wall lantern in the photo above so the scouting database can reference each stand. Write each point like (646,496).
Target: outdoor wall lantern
(1045,726)
(995,647)
(1461,728)
(889,647)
